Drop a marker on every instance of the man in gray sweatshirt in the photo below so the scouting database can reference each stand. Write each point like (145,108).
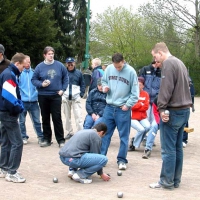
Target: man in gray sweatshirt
(82,154)
(174,102)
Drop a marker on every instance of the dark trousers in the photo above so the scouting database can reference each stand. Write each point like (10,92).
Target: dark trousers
(11,143)
(50,105)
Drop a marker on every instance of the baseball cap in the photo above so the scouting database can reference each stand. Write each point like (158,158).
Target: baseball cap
(70,59)
(2,49)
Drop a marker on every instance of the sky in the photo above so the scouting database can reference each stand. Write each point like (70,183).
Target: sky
(99,6)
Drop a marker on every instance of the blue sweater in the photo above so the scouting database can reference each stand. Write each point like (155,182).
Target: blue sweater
(10,100)
(28,91)
(124,89)
(56,73)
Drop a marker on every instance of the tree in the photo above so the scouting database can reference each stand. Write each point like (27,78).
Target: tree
(26,28)
(79,37)
(64,23)
(120,30)
(184,19)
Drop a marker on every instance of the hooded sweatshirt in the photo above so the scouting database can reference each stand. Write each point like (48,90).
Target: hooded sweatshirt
(124,89)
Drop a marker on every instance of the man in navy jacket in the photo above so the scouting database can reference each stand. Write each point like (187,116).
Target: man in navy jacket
(10,108)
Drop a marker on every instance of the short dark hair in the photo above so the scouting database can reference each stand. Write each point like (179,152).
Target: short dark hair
(117,57)
(100,127)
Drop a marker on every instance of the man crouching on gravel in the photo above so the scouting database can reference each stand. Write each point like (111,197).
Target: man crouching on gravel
(82,154)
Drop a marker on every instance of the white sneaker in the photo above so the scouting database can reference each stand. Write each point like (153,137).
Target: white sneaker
(184,144)
(25,141)
(155,185)
(71,173)
(122,166)
(15,178)
(3,173)
(77,178)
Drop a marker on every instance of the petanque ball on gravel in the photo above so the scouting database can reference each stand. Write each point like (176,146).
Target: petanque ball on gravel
(55,180)
(119,172)
(120,194)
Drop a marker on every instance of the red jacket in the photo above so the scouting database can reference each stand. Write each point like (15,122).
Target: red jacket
(139,110)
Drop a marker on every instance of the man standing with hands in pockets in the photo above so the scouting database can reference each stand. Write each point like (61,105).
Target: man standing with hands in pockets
(120,82)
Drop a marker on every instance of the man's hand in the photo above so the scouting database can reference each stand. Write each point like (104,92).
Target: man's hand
(164,117)
(105,177)
(124,108)
(97,117)
(60,92)
(106,89)
(45,83)
(94,116)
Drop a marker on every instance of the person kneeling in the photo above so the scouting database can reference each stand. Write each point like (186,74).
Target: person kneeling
(82,154)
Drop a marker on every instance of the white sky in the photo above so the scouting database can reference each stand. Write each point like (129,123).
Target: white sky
(99,6)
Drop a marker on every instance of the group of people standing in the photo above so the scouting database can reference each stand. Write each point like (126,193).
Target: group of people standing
(114,96)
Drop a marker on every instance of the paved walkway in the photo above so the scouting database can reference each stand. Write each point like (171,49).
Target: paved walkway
(40,165)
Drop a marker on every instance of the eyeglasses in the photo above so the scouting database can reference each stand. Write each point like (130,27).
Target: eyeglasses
(68,64)
(157,62)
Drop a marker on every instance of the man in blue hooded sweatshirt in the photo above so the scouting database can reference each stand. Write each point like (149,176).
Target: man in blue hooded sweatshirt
(120,82)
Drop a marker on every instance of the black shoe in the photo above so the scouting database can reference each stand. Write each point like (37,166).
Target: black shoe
(131,146)
(146,154)
(45,144)
(62,144)
(68,136)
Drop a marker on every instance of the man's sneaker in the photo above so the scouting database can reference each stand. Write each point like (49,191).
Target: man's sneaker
(45,144)
(71,173)
(15,178)
(122,166)
(25,141)
(62,144)
(68,136)
(77,178)
(155,185)
(146,154)
(3,173)
(184,144)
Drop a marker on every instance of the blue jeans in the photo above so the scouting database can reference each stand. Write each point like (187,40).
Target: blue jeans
(11,143)
(115,117)
(151,135)
(89,122)
(142,128)
(33,109)
(171,136)
(150,113)
(88,163)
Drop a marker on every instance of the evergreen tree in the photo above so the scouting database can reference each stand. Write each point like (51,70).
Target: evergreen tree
(64,24)
(26,26)
(79,37)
